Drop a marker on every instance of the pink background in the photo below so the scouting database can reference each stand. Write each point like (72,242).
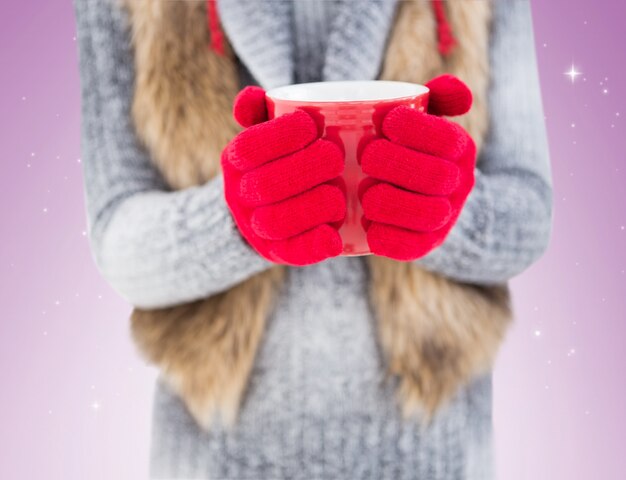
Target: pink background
(75,396)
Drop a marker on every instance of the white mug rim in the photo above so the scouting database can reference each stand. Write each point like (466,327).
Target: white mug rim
(346,91)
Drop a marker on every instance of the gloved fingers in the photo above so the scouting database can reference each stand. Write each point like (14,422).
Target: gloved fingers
(269,140)
(321,205)
(293,174)
(409,168)
(399,243)
(448,96)
(390,205)
(249,107)
(310,247)
(425,133)
(365,185)
(387,204)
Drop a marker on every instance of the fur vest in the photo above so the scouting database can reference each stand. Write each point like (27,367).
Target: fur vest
(436,334)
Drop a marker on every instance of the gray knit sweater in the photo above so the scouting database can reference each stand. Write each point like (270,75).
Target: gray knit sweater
(315,407)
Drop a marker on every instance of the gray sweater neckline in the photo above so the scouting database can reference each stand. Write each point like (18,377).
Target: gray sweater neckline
(261,33)
(312,20)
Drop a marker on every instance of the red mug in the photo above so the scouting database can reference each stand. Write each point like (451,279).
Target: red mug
(349,113)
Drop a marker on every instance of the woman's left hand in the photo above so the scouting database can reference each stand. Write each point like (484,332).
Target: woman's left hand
(419,174)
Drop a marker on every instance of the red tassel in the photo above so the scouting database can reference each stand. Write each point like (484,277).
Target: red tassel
(213,22)
(444,30)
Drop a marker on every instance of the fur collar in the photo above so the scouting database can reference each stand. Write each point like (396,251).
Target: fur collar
(436,334)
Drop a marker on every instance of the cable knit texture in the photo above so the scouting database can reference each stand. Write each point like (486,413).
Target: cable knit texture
(325,412)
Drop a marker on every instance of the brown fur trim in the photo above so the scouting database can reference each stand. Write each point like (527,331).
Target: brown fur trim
(183,94)
(182,112)
(436,334)
(206,349)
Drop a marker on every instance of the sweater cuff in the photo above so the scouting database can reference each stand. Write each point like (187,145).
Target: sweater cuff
(470,237)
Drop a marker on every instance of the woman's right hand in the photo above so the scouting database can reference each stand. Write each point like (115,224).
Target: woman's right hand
(282,184)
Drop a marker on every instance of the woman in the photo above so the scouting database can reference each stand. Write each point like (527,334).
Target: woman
(349,367)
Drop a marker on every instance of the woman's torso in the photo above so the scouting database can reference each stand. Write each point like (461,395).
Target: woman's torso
(318,404)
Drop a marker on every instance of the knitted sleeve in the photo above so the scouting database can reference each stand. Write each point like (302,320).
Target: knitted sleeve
(155,247)
(506,222)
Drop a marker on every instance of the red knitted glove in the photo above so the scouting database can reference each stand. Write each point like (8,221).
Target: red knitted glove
(420,174)
(282,184)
